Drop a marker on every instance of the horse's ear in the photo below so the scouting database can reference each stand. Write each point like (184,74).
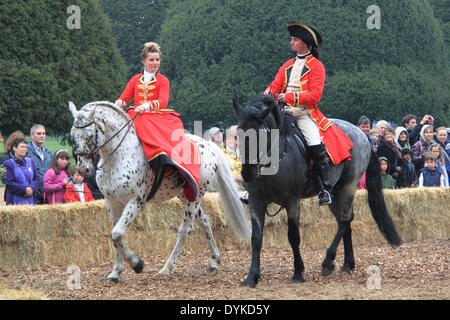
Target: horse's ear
(236,107)
(268,100)
(73,109)
(267,110)
(91,114)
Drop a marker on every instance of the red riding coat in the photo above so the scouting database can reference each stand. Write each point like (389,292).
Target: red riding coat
(161,130)
(312,82)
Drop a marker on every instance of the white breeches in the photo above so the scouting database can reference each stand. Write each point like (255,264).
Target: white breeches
(306,125)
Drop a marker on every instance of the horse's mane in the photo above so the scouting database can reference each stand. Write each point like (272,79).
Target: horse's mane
(107,104)
(285,122)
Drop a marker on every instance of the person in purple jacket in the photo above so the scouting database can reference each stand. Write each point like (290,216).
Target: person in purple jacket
(21,177)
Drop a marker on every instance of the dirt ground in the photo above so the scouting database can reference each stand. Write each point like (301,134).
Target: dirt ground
(417,270)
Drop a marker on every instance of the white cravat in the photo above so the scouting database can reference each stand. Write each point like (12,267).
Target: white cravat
(148,76)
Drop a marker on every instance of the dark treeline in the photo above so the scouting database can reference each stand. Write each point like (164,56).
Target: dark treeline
(216,50)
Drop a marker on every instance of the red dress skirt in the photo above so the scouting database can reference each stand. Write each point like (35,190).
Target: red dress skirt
(162,136)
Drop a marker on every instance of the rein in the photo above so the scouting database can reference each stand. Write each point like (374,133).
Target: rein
(128,123)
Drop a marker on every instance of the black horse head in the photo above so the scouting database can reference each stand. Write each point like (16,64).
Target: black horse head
(262,112)
(260,128)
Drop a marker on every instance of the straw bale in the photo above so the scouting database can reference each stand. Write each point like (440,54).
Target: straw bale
(79,234)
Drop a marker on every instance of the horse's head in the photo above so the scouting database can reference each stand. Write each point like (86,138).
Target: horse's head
(87,133)
(257,130)
(258,114)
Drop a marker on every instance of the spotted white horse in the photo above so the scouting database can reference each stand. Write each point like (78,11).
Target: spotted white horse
(125,178)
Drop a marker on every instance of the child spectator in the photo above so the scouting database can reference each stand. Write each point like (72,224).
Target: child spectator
(373,133)
(431,175)
(421,147)
(387,148)
(56,178)
(387,181)
(76,189)
(440,162)
(408,176)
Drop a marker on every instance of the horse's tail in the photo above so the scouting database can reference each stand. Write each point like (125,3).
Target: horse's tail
(377,204)
(230,197)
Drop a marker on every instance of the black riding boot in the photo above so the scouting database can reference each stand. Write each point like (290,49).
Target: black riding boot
(318,154)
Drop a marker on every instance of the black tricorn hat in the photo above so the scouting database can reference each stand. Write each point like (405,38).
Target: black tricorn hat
(308,34)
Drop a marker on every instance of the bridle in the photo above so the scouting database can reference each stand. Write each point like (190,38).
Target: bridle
(262,163)
(265,161)
(92,153)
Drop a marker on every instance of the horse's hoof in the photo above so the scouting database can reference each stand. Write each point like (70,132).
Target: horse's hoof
(347,269)
(112,280)
(139,266)
(164,272)
(327,271)
(212,269)
(298,279)
(249,283)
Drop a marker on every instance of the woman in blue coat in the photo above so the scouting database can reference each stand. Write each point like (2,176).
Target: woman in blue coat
(21,177)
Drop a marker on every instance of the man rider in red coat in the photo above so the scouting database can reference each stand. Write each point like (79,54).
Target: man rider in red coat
(299,84)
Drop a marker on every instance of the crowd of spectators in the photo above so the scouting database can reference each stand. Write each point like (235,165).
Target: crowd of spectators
(33,175)
(411,155)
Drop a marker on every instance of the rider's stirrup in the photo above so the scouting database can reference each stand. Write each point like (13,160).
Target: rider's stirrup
(324,198)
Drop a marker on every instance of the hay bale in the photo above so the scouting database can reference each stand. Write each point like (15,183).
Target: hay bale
(79,234)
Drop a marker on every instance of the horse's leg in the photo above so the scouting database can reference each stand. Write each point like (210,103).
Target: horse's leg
(183,231)
(130,212)
(349,259)
(258,210)
(203,221)
(342,209)
(293,213)
(328,264)
(114,212)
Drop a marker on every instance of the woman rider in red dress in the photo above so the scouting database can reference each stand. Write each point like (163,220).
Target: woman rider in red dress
(159,129)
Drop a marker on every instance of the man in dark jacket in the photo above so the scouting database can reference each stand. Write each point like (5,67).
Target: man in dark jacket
(41,156)
(410,123)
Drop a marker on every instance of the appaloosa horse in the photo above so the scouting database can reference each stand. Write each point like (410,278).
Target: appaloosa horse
(293,181)
(125,178)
